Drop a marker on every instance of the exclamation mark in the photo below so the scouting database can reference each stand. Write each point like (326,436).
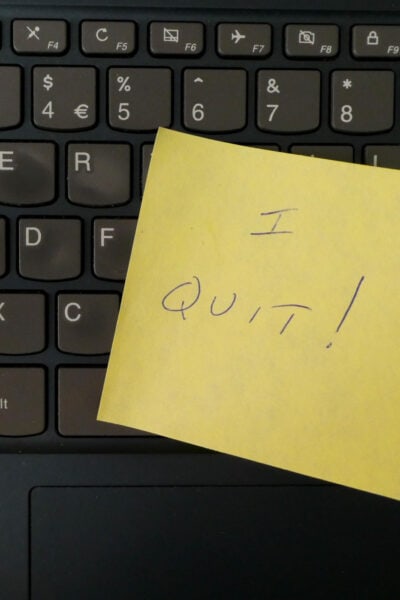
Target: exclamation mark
(348,308)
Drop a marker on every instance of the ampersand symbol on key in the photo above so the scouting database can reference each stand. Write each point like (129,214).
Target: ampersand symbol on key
(272,87)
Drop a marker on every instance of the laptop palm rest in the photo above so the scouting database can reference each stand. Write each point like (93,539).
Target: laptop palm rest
(210,542)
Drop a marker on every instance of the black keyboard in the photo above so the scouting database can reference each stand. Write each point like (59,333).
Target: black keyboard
(82,92)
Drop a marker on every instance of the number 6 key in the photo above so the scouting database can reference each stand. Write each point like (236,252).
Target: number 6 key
(214,99)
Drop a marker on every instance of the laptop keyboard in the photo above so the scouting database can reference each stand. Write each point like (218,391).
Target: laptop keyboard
(82,93)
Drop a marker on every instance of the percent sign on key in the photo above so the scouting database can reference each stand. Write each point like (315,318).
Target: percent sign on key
(124,85)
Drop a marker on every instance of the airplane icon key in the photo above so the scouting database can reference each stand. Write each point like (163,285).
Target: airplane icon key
(236,36)
(244,39)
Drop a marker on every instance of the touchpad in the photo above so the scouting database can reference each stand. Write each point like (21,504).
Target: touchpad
(173,543)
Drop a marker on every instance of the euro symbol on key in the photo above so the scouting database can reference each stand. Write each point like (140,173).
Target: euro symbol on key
(81,111)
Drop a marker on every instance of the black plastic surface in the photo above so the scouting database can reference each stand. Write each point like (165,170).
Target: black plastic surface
(306,5)
(356,549)
(19,474)
(211,542)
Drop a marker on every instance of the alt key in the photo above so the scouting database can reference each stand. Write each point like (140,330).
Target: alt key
(22,401)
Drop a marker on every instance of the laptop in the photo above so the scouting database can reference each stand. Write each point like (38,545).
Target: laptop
(91,510)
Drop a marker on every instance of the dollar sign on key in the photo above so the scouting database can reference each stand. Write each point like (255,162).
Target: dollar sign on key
(48,82)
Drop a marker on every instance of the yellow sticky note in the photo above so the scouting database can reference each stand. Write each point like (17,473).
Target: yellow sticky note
(261,315)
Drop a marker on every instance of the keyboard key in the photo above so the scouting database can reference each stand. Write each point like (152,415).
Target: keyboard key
(380,41)
(49,249)
(147,150)
(313,41)
(77,410)
(288,101)
(86,322)
(39,37)
(382,156)
(185,39)
(140,99)
(99,174)
(344,153)
(64,98)
(10,96)
(108,37)
(22,401)
(244,39)
(214,99)
(112,247)
(27,173)
(22,323)
(3,249)
(362,101)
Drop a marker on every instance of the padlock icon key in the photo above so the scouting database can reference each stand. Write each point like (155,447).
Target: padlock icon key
(372,38)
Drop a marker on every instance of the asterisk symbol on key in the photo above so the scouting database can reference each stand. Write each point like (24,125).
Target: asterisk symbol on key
(347,83)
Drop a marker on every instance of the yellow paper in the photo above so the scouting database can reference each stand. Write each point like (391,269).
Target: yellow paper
(261,311)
